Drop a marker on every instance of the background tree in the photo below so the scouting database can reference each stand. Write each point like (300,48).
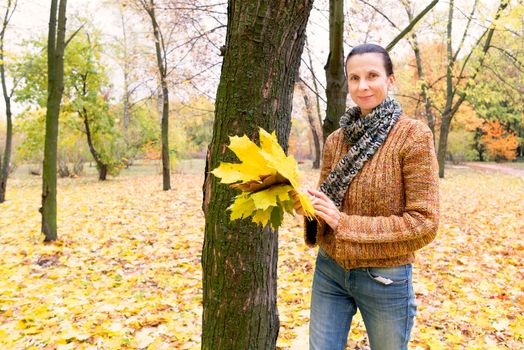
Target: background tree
(55,63)
(336,86)
(308,108)
(5,160)
(498,93)
(500,143)
(86,88)
(161,56)
(239,260)
(456,90)
(421,78)
(87,80)
(314,126)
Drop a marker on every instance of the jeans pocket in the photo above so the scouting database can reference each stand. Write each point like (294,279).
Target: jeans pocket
(390,275)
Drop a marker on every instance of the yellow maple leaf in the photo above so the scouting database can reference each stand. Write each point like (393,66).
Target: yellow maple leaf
(271,196)
(242,207)
(266,177)
(252,166)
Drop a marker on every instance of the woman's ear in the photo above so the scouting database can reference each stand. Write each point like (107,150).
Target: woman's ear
(391,81)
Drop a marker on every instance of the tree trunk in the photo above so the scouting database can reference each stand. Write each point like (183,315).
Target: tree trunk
(336,89)
(443,142)
(420,71)
(452,107)
(55,88)
(162,69)
(100,165)
(5,161)
(262,53)
(317,99)
(312,126)
(126,78)
(166,166)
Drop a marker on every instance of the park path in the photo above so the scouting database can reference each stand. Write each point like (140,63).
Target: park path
(495,168)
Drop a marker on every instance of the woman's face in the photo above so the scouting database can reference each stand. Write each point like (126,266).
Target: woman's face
(368,82)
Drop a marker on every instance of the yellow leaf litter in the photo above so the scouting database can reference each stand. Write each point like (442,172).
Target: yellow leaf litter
(126,272)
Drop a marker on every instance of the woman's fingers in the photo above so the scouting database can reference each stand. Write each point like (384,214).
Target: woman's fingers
(297,206)
(325,208)
(320,195)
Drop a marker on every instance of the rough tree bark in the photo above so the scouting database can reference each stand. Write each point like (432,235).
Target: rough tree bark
(5,161)
(262,53)
(55,88)
(336,87)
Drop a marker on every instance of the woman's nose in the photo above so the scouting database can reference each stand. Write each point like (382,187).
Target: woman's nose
(362,84)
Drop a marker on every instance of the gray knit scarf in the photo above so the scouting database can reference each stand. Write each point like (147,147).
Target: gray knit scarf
(365,134)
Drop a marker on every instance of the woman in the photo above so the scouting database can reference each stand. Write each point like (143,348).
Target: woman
(377,204)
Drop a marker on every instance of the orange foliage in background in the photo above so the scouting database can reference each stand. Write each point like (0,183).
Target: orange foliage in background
(500,143)
(466,118)
(152,151)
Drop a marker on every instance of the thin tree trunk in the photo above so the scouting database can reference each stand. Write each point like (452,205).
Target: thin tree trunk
(317,97)
(451,108)
(162,69)
(312,125)
(55,64)
(166,167)
(446,115)
(101,166)
(126,78)
(262,53)
(5,161)
(421,76)
(336,88)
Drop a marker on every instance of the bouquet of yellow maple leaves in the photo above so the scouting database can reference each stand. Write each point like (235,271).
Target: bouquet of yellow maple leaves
(267,179)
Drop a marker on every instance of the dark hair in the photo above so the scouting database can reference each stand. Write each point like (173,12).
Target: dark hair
(371,48)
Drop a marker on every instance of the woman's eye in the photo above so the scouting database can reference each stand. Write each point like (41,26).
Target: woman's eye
(373,75)
(353,78)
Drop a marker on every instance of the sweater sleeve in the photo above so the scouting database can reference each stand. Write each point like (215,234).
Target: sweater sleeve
(314,228)
(417,226)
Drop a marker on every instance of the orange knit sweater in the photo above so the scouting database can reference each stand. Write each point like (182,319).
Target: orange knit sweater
(391,208)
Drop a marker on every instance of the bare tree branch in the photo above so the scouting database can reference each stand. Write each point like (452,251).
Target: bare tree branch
(73,35)
(519,64)
(410,26)
(466,30)
(377,10)
(312,90)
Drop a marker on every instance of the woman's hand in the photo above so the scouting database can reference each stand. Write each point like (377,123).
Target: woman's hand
(298,206)
(325,208)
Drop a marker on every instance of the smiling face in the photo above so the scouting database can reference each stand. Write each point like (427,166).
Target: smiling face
(368,82)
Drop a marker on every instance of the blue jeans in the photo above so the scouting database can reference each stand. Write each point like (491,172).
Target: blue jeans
(384,296)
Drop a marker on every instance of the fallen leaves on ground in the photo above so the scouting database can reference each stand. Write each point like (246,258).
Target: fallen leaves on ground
(126,272)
